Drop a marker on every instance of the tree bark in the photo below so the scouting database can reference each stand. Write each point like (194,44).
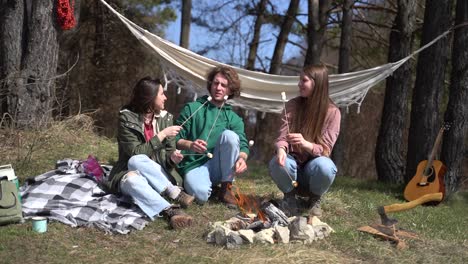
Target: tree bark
(179,100)
(389,159)
(266,132)
(286,26)
(11,32)
(338,153)
(253,45)
(317,24)
(186,19)
(454,142)
(269,121)
(346,34)
(32,89)
(430,76)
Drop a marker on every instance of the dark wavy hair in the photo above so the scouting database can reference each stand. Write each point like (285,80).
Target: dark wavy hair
(143,95)
(231,76)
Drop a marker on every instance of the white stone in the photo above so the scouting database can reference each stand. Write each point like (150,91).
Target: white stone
(220,234)
(300,230)
(282,234)
(247,235)
(265,236)
(315,221)
(210,237)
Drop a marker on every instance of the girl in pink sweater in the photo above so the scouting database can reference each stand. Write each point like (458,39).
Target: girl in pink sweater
(310,127)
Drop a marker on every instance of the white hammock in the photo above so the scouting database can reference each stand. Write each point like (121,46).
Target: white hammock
(260,91)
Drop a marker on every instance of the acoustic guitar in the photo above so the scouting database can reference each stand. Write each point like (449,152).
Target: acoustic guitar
(429,177)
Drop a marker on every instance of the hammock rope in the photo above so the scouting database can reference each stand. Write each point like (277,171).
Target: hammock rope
(260,91)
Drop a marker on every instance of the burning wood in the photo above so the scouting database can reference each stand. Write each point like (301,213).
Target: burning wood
(261,221)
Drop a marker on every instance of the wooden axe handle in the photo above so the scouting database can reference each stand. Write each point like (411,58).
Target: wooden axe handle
(431,197)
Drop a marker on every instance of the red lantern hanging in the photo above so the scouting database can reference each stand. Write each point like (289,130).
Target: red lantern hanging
(65,14)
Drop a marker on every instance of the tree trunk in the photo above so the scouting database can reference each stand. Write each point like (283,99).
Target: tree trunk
(253,45)
(338,153)
(266,132)
(317,24)
(286,26)
(111,61)
(389,158)
(346,34)
(454,142)
(430,76)
(186,19)
(11,32)
(179,100)
(31,91)
(267,121)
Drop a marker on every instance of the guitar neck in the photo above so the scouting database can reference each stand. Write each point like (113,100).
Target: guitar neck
(431,157)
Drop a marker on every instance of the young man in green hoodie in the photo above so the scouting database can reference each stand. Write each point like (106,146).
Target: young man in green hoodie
(213,139)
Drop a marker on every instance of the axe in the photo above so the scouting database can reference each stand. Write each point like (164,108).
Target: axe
(383,210)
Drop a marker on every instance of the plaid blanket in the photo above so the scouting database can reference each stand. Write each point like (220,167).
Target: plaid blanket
(76,200)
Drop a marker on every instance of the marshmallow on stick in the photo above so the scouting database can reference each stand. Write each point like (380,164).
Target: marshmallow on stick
(283,96)
(209,100)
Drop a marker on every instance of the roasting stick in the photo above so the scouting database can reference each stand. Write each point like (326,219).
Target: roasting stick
(217,115)
(209,100)
(283,98)
(251,143)
(209,155)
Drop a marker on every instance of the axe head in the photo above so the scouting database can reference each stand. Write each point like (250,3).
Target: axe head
(386,221)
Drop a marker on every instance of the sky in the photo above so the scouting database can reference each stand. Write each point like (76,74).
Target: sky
(199,37)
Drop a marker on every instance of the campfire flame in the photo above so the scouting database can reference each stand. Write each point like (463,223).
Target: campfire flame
(248,204)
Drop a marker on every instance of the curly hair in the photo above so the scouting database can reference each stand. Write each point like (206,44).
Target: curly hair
(230,74)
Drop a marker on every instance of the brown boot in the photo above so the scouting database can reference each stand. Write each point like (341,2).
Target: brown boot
(177,218)
(226,196)
(184,199)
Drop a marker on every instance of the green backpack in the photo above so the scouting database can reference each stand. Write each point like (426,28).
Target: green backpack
(10,205)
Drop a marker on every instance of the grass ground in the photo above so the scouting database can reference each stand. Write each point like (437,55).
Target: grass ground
(349,204)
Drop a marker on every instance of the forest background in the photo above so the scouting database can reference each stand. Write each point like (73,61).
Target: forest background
(48,73)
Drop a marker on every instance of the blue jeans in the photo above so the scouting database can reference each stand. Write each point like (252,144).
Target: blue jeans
(198,181)
(144,183)
(315,176)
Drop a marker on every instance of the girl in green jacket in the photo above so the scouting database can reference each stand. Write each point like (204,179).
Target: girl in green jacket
(147,155)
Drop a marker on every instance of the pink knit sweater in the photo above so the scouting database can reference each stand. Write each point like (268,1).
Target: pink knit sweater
(330,132)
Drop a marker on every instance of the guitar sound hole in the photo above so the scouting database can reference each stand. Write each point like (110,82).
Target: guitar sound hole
(430,174)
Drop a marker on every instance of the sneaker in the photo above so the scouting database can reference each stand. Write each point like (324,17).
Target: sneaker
(177,218)
(184,199)
(314,205)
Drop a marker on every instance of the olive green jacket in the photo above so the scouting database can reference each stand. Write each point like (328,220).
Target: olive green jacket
(131,140)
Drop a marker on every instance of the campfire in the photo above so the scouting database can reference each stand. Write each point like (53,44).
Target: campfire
(261,221)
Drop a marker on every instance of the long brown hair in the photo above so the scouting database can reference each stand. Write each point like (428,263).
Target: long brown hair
(143,95)
(311,111)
